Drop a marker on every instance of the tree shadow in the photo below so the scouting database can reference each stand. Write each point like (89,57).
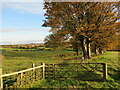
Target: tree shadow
(116,75)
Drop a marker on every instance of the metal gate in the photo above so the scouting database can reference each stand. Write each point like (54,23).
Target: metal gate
(81,71)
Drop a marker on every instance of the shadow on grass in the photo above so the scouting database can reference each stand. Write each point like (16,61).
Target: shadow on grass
(116,75)
(66,71)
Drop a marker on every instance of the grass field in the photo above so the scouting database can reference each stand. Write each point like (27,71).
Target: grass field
(113,81)
(29,49)
(19,60)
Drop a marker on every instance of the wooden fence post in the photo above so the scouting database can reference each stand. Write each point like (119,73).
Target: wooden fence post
(53,71)
(43,71)
(1,79)
(33,65)
(21,78)
(105,70)
(34,73)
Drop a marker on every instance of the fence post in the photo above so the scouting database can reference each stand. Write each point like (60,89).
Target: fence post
(105,70)
(21,78)
(33,65)
(43,71)
(34,73)
(1,79)
(53,71)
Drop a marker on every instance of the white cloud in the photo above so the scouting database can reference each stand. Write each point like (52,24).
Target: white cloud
(22,0)
(4,42)
(22,30)
(61,0)
(26,7)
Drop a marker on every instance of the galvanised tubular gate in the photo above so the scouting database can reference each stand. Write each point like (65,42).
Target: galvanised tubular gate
(81,71)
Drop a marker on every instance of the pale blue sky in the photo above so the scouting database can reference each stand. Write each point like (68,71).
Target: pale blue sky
(21,23)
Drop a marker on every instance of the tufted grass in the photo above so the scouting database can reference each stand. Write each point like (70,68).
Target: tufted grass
(19,60)
(113,81)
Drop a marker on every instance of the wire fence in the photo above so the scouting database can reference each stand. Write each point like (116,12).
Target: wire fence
(27,78)
(24,78)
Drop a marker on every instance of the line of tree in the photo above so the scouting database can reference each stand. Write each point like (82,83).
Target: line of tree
(92,26)
(22,46)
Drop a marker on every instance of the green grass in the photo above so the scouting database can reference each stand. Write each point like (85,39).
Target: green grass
(18,60)
(113,80)
(25,49)
(15,49)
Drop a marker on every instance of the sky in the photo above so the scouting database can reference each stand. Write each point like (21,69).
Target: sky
(22,23)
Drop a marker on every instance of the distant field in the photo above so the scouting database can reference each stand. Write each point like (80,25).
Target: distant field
(29,49)
(18,60)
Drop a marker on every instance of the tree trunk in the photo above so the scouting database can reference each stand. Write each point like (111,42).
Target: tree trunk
(77,52)
(88,48)
(101,51)
(84,48)
(96,50)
